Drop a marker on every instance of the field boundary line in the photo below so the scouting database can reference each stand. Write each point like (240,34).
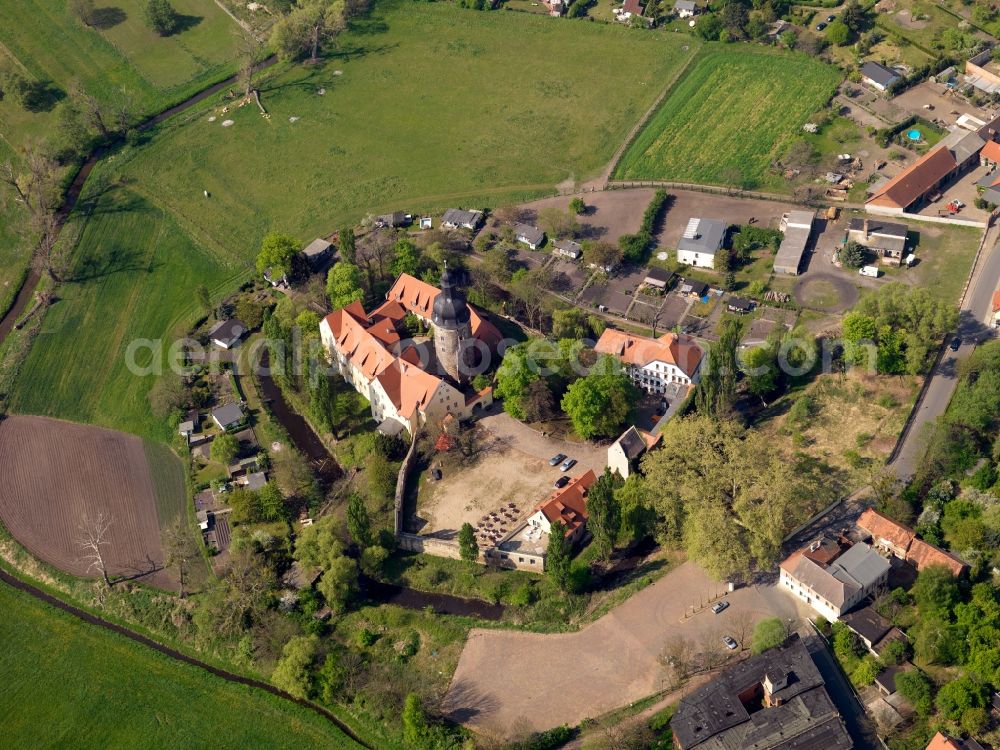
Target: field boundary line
(92,619)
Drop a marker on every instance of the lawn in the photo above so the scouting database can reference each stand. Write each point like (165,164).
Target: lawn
(67,683)
(944,254)
(729,117)
(133,278)
(428,105)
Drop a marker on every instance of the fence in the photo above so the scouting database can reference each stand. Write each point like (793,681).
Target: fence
(952,220)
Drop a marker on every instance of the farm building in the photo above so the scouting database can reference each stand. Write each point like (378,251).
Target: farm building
(692,289)
(456,218)
(916,185)
(878,76)
(797,226)
(227,333)
(658,278)
(981,73)
(317,252)
(567,248)
(228,416)
(393,220)
(739,305)
(528,235)
(701,240)
(885,238)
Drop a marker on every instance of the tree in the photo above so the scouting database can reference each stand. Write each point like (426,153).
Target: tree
(838,33)
(271,502)
(35,186)
(603,513)
(250,312)
(708,27)
(161,17)
(179,550)
(558,223)
(958,696)
(225,448)
(91,539)
(293,672)
(918,690)
(407,258)
(83,10)
(338,583)
(717,390)
(168,395)
(866,671)
(577,206)
(73,134)
(201,294)
(788,38)
(498,264)
(468,548)
(276,253)
(557,556)
(344,284)
(538,404)
(414,721)
(373,560)
(761,370)
(854,17)
(307,27)
(604,255)
(935,592)
(359,523)
(599,403)
(91,109)
(569,323)
(852,254)
(245,505)
(348,246)
(637,518)
(768,633)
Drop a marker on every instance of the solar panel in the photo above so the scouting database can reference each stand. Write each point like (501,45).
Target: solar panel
(691,231)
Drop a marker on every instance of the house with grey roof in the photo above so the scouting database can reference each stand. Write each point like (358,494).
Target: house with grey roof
(658,278)
(886,239)
(457,218)
(317,253)
(878,76)
(776,700)
(624,453)
(228,416)
(526,234)
(227,333)
(701,241)
(685,8)
(868,624)
(834,586)
(797,226)
(568,249)
(393,220)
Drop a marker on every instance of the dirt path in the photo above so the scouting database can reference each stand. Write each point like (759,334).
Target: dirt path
(172,653)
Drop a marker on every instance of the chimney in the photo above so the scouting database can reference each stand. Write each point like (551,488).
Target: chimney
(866,228)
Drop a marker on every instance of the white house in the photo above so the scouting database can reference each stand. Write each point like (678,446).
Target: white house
(456,218)
(528,235)
(567,249)
(878,76)
(227,333)
(653,363)
(624,453)
(833,585)
(701,241)
(685,8)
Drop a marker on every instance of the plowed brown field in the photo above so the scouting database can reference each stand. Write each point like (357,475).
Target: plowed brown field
(53,473)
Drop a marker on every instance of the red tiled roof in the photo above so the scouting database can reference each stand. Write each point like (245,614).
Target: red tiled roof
(633,7)
(408,387)
(943,742)
(917,552)
(996,301)
(991,151)
(915,181)
(680,351)
(883,527)
(922,555)
(569,504)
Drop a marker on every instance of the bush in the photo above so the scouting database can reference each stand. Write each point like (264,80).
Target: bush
(767,633)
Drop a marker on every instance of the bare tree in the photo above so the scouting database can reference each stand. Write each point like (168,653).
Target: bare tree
(740,625)
(248,47)
(179,551)
(92,109)
(676,659)
(91,539)
(83,10)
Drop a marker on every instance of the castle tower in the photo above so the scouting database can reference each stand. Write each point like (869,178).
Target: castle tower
(452,328)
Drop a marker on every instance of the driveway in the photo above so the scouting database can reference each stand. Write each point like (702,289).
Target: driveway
(504,677)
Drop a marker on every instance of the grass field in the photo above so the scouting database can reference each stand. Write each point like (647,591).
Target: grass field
(730,115)
(67,683)
(428,105)
(134,278)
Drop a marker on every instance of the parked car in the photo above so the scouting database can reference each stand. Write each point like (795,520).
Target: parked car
(955,343)
(829,19)
(556,459)
(719,606)
(730,642)
(561,482)
(436,474)
(662,408)
(820,26)
(568,464)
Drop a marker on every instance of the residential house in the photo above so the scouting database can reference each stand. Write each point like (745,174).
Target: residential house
(776,700)
(686,8)
(393,220)
(568,249)
(981,73)
(902,542)
(228,416)
(990,155)
(186,429)
(739,305)
(692,289)
(835,587)
(256,480)
(878,76)
(456,218)
(227,333)
(525,547)
(658,278)
(528,235)
(653,363)
(941,741)
(317,253)
(885,681)
(869,626)
(919,183)
(631,9)
(701,241)
(886,239)
(374,353)
(624,453)
(797,226)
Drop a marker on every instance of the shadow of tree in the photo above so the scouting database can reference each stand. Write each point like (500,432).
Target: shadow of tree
(185,23)
(107,18)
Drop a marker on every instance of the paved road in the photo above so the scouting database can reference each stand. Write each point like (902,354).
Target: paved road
(972,326)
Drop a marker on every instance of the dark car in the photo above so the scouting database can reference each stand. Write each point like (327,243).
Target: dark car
(829,19)
(436,474)
(820,26)
(557,459)
(719,606)
(662,408)
(561,482)
(955,343)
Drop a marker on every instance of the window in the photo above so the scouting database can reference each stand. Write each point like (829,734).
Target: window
(532,561)
(520,559)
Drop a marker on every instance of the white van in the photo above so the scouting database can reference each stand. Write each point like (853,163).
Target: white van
(869,271)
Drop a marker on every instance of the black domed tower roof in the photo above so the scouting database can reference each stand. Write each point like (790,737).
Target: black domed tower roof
(450,307)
